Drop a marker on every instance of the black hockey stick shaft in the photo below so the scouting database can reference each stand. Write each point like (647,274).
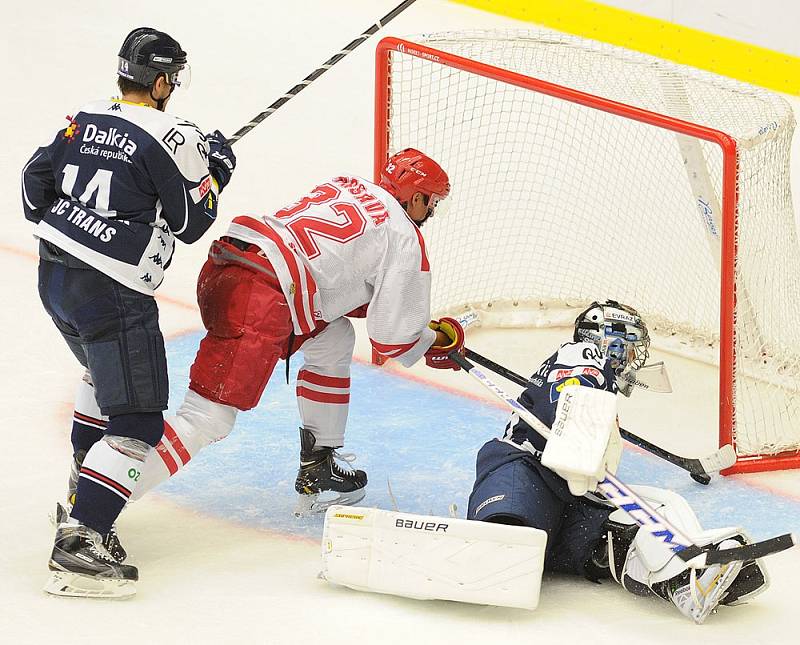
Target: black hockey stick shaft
(313,76)
(752,551)
(693,466)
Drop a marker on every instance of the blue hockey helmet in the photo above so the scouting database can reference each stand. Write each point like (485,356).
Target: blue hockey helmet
(618,331)
(147,53)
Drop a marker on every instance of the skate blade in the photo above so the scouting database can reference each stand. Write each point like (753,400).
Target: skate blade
(74,585)
(59,515)
(726,577)
(309,505)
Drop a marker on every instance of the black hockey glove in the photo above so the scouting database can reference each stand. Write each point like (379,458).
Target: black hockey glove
(221,160)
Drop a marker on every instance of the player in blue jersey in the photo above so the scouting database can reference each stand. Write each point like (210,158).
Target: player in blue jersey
(109,196)
(586,536)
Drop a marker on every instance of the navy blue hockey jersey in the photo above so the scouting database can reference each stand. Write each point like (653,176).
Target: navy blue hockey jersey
(573,364)
(117,185)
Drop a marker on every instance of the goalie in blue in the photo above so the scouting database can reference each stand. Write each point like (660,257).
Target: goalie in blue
(586,536)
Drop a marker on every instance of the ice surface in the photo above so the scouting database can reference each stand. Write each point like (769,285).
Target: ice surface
(219,555)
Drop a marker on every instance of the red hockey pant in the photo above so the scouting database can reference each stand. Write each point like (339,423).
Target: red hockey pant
(249,326)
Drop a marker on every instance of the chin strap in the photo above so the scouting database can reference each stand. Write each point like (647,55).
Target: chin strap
(160,103)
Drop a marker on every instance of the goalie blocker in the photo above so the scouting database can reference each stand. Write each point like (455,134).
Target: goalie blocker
(428,557)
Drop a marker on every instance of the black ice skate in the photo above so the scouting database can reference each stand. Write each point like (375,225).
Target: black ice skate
(82,566)
(322,481)
(111,539)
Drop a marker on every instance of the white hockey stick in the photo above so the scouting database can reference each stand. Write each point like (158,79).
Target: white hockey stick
(640,511)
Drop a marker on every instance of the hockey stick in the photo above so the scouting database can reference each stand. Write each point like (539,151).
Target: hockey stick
(700,469)
(621,496)
(313,76)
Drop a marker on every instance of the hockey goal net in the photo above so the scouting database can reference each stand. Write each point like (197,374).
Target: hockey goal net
(584,171)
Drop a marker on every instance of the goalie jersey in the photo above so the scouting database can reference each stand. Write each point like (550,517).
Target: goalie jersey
(349,245)
(573,364)
(117,185)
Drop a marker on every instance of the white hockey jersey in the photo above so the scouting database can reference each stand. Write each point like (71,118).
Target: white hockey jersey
(347,244)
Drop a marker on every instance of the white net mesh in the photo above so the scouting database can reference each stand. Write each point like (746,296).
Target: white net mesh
(557,204)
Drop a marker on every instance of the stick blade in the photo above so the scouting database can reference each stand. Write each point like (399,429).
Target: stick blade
(724,458)
(753,551)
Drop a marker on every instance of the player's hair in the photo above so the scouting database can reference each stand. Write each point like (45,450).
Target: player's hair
(129,87)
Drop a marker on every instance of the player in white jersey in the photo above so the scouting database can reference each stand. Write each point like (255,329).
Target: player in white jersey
(281,282)
(109,196)
(585,535)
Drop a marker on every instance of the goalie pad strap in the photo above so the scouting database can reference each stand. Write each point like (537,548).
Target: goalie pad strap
(428,557)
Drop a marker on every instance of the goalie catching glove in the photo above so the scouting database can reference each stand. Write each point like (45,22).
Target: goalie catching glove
(584,442)
(449,337)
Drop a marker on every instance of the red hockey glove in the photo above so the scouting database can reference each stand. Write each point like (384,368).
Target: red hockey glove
(436,356)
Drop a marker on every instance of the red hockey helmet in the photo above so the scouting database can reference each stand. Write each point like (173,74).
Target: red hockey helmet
(409,171)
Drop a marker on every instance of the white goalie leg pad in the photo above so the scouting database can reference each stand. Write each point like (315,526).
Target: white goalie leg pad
(648,562)
(584,441)
(429,557)
(198,423)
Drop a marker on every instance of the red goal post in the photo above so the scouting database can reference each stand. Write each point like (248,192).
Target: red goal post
(418,91)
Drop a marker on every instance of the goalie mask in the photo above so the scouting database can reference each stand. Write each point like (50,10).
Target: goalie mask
(618,331)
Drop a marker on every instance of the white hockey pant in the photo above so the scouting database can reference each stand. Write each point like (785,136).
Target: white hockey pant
(323,382)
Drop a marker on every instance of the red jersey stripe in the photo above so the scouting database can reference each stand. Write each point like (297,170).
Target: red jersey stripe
(320,379)
(177,444)
(307,326)
(392,351)
(169,462)
(312,289)
(322,397)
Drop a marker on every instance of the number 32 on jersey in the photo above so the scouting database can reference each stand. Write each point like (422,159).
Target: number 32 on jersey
(340,221)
